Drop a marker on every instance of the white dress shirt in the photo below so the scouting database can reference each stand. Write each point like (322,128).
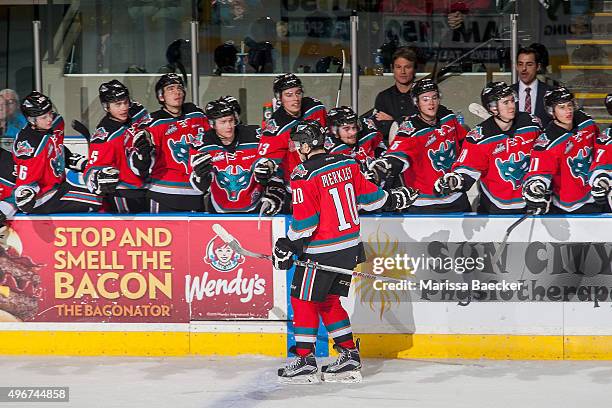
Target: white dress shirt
(533,92)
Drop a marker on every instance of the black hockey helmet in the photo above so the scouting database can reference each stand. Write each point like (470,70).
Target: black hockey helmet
(217,109)
(166,80)
(113,91)
(555,96)
(493,92)
(36,104)
(286,81)
(340,116)
(308,132)
(423,86)
(233,103)
(608,103)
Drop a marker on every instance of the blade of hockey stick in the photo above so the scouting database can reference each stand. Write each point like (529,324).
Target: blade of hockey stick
(264,207)
(235,245)
(502,246)
(82,129)
(479,111)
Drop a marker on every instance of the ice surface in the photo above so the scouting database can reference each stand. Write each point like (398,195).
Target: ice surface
(251,382)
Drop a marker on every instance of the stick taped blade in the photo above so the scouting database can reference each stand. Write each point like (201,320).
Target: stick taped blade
(222,233)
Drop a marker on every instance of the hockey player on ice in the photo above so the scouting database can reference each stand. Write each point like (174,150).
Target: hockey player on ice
(495,154)
(424,149)
(328,191)
(352,136)
(116,167)
(601,168)
(561,159)
(276,157)
(41,159)
(223,164)
(174,129)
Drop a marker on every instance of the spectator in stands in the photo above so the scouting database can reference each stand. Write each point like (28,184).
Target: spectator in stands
(11,118)
(395,102)
(529,88)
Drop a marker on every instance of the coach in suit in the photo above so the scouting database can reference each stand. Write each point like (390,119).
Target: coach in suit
(529,88)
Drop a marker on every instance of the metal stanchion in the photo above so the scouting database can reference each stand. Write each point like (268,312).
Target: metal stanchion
(354,63)
(514,44)
(37,58)
(195,79)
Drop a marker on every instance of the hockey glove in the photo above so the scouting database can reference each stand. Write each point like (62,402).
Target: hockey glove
(144,148)
(379,170)
(449,183)
(601,189)
(283,254)
(274,197)
(400,198)
(25,199)
(264,170)
(201,175)
(105,181)
(536,196)
(75,161)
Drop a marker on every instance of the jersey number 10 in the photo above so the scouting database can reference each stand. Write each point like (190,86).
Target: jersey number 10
(339,204)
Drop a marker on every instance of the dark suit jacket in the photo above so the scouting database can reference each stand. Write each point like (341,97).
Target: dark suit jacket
(540,110)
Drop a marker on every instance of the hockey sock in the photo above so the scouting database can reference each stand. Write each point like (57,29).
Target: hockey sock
(305,325)
(337,321)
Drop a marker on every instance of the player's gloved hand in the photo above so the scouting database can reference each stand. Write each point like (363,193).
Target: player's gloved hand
(449,183)
(201,175)
(379,170)
(264,170)
(601,188)
(25,199)
(143,151)
(76,162)
(536,196)
(274,198)
(282,257)
(105,181)
(401,198)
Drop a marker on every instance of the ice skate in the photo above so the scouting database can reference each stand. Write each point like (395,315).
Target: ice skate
(346,368)
(301,370)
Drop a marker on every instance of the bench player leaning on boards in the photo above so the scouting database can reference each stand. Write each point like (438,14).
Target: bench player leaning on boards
(223,165)
(426,146)
(495,154)
(601,168)
(354,137)
(116,168)
(561,159)
(328,190)
(7,184)
(41,159)
(276,157)
(174,129)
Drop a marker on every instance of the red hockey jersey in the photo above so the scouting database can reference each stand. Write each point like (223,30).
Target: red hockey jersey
(499,160)
(369,144)
(40,159)
(112,144)
(233,187)
(173,138)
(427,152)
(563,159)
(602,158)
(274,142)
(328,191)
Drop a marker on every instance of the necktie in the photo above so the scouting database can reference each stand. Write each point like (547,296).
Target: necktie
(528,100)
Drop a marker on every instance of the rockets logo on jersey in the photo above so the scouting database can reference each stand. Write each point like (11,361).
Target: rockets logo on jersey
(299,171)
(180,151)
(234,180)
(100,133)
(221,256)
(197,140)
(514,169)
(24,149)
(605,136)
(580,164)
(271,126)
(443,158)
(476,133)
(329,143)
(406,127)
(541,141)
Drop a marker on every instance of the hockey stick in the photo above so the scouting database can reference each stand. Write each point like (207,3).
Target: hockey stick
(503,244)
(264,207)
(235,245)
(341,78)
(82,129)
(479,111)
